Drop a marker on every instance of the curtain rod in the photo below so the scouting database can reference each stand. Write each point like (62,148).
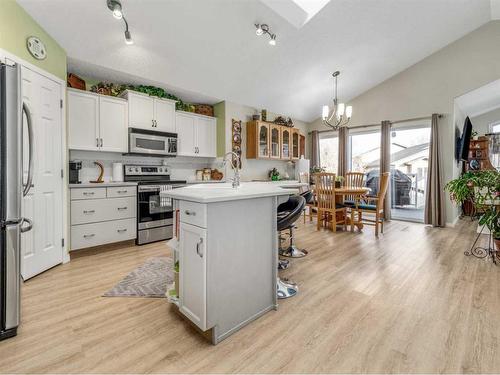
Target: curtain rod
(392,122)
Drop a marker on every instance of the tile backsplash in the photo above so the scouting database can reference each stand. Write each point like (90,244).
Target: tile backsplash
(182,168)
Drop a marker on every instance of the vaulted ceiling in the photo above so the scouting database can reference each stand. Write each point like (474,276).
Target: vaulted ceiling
(207,49)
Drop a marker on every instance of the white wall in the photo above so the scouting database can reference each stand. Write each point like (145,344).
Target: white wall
(253,169)
(430,86)
(482,123)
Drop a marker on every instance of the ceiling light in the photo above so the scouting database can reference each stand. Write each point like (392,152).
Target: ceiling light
(116,7)
(339,115)
(261,29)
(128,38)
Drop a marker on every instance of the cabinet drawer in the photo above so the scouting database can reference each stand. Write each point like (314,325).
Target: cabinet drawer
(122,191)
(88,193)
(95,210)
(87,235)
(193,213)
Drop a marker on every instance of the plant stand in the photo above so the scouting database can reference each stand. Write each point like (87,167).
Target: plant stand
(483,252)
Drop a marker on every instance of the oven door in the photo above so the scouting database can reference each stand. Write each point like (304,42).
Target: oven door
(151,144)
(152,211)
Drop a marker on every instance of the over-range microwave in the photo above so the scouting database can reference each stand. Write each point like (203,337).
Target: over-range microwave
(151,143)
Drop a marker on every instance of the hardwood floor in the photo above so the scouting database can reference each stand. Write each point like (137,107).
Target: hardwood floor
(409,301)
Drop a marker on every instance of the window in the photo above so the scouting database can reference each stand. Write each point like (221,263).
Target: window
(495,127)
(364,151)
(329,151)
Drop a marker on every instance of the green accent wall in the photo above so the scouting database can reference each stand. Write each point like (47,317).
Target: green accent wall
(15,26)
(220,113)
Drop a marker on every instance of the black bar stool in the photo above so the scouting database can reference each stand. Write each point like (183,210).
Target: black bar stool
(292,251)
(288,213)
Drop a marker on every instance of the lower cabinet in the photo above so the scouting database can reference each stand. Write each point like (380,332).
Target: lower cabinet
(193,263)
(102,215)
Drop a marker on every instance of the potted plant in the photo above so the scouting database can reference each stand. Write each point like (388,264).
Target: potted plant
(315,169)
(338,181)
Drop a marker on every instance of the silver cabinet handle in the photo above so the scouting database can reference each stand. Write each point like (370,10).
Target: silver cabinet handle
(190,213)
(88,235)
(121,191)
(153,123)
(29,125)
(101,142)
(97,142)
(88,211)
(198,246)
(29,227)
(88,193)
(121,230)
(122,208)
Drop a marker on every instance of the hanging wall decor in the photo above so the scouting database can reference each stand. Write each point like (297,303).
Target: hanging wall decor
(236,140)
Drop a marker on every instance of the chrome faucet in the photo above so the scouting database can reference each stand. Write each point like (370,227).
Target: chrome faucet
(236,169)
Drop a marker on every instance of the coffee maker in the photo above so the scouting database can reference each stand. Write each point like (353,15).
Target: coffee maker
(74,171)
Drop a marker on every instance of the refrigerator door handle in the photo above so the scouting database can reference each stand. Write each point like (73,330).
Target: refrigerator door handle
(28,228)
(29,124)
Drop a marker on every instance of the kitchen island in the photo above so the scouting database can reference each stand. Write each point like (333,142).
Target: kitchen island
(227,247)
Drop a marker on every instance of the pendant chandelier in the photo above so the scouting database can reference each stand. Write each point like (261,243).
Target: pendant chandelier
(338,115)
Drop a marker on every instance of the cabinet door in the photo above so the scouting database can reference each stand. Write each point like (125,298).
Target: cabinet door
(185,135)
(206,137)
(295,143)
(263,140)
(113,124)
(164,116)
(285,143)
(83,120)
(141,111)
(193,274)
(275,141)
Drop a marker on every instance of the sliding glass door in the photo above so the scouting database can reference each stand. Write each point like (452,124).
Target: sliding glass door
(409,160)
(329,151)
(363,155)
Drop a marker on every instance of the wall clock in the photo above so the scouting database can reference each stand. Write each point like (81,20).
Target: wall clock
(36,48)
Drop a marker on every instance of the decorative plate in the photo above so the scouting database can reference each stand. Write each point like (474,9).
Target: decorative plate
(36,48)
(474,165)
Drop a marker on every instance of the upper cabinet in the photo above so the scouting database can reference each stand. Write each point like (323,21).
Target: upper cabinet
(96,122)
(147,112)
(196,134)
(268,140)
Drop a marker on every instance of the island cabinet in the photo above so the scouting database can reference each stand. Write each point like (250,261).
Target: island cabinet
(271,141)
(150,113)
(227,253)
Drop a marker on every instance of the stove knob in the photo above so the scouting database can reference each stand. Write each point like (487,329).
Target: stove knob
(137,170)
(160,170)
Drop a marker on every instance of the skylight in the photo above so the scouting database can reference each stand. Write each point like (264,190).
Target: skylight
(296,12)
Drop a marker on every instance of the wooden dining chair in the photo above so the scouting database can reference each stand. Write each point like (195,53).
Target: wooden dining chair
(353,180)
(327,206)
(374,205)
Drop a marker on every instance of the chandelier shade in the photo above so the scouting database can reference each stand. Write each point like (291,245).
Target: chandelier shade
(338,115)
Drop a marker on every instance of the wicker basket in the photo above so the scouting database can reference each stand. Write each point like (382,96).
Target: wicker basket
(76,82)
(204,109)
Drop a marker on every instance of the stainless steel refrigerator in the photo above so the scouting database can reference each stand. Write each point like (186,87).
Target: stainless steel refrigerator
(12,190)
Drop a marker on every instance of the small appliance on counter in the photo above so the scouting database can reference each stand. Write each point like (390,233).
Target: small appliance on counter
(74,171)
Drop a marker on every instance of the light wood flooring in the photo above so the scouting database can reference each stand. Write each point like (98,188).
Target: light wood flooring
(409,301)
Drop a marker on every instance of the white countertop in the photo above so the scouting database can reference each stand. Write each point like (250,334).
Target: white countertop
(104,184)
(195,182)
(209,193)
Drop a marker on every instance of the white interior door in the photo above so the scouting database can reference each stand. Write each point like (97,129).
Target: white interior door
(41,248)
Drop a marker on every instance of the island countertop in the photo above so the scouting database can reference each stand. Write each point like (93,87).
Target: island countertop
(220,192)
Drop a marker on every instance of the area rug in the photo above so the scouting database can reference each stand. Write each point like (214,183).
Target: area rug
(149,280)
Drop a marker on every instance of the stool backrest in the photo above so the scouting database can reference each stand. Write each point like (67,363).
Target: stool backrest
(325,190)
(353,180)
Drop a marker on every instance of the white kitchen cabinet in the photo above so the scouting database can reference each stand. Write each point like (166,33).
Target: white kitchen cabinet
(83,120)
(150,113)
(113,130)
(193,281)
(97,122)
(197,135)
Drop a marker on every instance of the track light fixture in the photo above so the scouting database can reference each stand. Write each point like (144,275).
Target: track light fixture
(116,7)
(261,29)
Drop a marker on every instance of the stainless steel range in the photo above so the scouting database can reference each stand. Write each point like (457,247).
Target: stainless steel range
(154,214)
